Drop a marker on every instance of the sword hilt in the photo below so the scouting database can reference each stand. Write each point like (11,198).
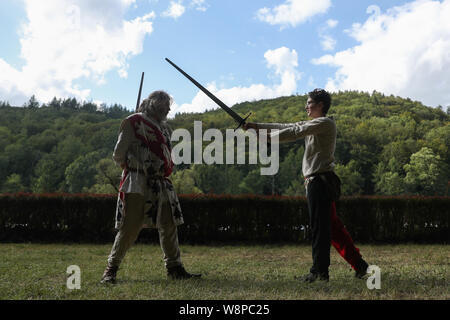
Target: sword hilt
(243,121)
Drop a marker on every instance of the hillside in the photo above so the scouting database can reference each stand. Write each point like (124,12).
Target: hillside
(385,145)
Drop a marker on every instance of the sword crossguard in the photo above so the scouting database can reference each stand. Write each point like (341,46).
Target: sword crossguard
(243,121)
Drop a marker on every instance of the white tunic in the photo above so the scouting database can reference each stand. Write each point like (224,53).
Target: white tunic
(144,145)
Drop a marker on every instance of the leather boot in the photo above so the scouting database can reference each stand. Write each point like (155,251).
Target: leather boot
(311,277)
(109,276)
(361,269)
(178,273)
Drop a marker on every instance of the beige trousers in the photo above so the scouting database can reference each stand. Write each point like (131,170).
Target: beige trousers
(132,225)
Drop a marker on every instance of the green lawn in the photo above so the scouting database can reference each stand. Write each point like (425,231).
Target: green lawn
(38,271)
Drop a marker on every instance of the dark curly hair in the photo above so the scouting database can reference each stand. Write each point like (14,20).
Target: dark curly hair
(320,95)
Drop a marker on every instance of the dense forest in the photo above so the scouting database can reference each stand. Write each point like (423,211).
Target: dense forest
(386,145)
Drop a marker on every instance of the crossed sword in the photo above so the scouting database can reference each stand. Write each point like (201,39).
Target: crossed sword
(228,110)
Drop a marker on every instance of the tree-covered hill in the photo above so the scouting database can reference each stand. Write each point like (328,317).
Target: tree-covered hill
(385,145)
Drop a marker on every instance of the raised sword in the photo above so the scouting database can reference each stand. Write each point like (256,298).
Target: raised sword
(138,102)
(228,110)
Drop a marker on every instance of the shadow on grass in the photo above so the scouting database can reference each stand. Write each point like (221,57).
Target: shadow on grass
(426,282)
(218,288)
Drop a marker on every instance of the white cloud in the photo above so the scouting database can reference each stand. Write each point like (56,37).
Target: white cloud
(327,42)
(85,39)
(293,12)
(405,52)
(282,61)
(199,5)
(311,82)
(331,23)
(10,85)
(175,10)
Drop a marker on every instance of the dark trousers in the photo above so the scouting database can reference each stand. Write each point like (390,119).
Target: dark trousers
(327,229)
(319,206)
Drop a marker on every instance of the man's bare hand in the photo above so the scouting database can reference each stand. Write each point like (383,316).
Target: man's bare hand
(250,125)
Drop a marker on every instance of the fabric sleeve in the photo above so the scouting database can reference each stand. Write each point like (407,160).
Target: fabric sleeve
(123,141)
(278,126)
(302,129)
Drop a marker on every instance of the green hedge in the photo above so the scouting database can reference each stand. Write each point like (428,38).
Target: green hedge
(211,218)
(56,217)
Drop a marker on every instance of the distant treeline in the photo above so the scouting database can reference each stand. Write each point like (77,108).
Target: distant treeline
(386,145)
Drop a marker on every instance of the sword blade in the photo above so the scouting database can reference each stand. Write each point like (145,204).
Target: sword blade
(138,102)
(233,114)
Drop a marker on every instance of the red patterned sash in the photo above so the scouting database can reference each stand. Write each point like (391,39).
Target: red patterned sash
(153,138)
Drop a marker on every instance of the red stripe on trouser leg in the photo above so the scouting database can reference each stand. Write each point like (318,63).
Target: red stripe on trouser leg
(342,241)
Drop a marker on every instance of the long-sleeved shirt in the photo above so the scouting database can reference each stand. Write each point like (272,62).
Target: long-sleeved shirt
(320,141)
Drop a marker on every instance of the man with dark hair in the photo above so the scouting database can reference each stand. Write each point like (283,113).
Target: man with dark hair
(147,198)
(321,183)
(320,95)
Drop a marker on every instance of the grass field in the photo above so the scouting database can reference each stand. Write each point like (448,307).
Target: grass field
(38,271)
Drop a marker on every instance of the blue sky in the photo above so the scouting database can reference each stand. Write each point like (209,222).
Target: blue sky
(95,50)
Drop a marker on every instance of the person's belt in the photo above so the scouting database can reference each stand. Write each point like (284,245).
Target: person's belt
(318,174)
(312,176)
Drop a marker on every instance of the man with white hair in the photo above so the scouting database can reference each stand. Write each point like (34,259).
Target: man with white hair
(147,198)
